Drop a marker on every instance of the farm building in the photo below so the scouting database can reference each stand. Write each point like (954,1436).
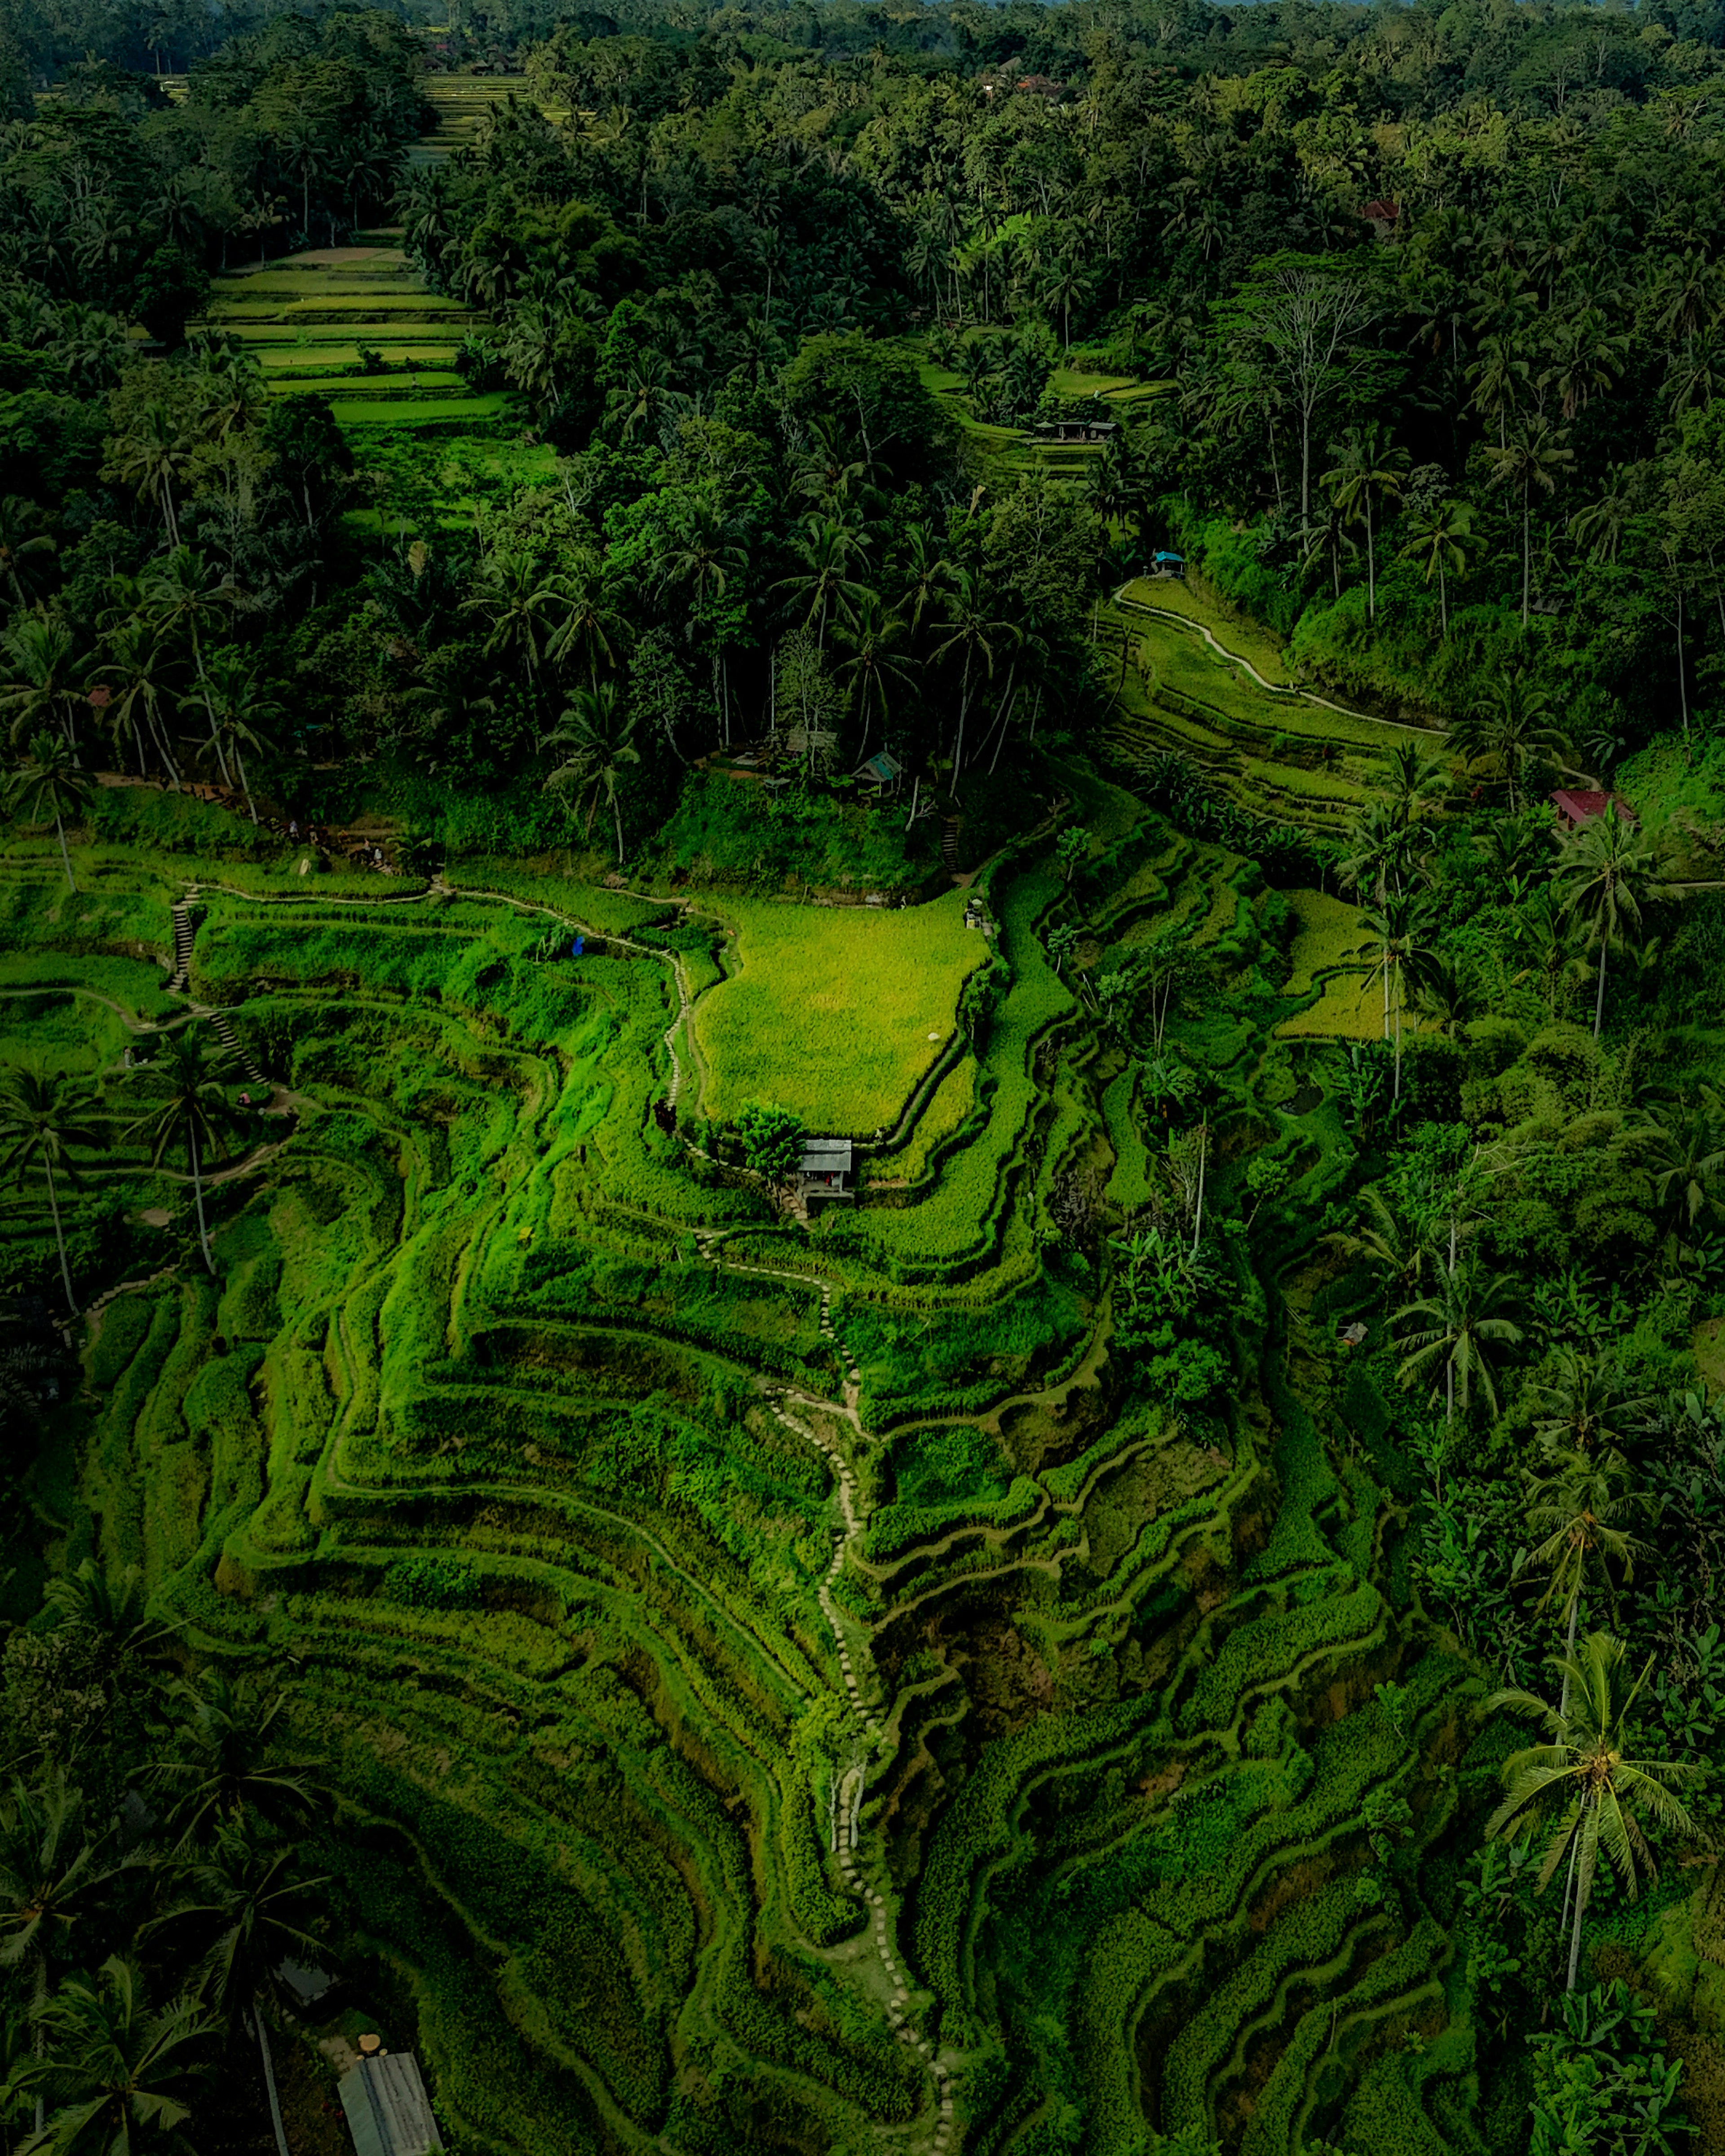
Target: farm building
(1575,808)
(388,2112)
(824,1170)
(1075,430)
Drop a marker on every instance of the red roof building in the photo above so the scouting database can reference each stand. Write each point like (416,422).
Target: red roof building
(1578,808)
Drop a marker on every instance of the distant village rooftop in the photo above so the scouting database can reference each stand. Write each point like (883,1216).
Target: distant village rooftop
(1578,807)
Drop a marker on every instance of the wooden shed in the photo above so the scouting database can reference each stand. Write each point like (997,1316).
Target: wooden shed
(388,2112)
(824,1170)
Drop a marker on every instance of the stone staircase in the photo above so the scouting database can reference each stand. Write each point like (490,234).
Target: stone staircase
(182,944)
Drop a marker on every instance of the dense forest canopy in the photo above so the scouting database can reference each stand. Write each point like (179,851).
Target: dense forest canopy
(1156,1594)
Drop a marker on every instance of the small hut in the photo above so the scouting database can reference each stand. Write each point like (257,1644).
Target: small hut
(388,2112)
(1576,809)
(824,1170)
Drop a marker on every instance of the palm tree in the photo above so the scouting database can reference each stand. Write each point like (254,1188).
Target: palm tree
(1609,871)
(590,627)
(24,540)
(153,457)
(826,551)
(973,628)
(238,706)
(1545,930)
(1459,1330)
(1687,1159)
(1438,540)
(184,592)
(597,734)
(123,2071)
(1512,723)
(1381,1239)
(876,668)
(1581,1767)
(223,1769)
(49,1867)
(1396,932)
(1416,780)
(47,782)
(1584,1406)
(1532,461)
(1580,1507)
(516,597)
(192,1106)
(44,682)
(1369,468)
(246,1899)
(42,1118)
(136,661)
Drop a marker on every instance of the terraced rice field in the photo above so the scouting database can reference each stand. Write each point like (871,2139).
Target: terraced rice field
(1182,686)
(306,317)
(768,1670)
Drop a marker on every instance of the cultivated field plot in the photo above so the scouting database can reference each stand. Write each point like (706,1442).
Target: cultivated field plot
(744,1650)
(311,318)
(1332,954)
(834,1011)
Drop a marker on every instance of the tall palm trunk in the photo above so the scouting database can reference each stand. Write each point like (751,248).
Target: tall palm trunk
(275,2118)
(197,1196)
(1600,1000)
(60,833)
(1581,1887)
(1527,550)
(60,1235)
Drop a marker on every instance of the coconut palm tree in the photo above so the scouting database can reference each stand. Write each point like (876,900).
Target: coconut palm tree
(1686,1155)
(597,735)
(42,1118)
(1368,468)
(1396,934)
(153,458)
(1582,1772)
(49,1868)
(45,677)
(247,1901)
(876,669)
(1580,1506)
(1608,870)
(1438,540)
(241,709)
(1460,1330)
(1512,723)
(517,599)
(223,1765)
(134,669)
(48,782)
(191,1104)
(181,594)
(590,629)
(1584,1406)
(1531,460)
(123,2072)
(974,629)
(25,541)
(826,551)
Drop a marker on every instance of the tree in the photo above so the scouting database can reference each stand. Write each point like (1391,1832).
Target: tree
(1584,1406)
(1686,1157)
(25,541)
(1512,723)
(590,628)
(1368,468)
(1531,461)
(597,736)
(123,2072)
(1458,1331)
(134,667)
(222,1766)
(1397,929)
(240,707)
(517,598)
(183,594)
(975,629)
(48,782)
(45,682)
(1308,314)
(1579,1506)
(42,1118)
(772,1141)
(247,1900)
(1582,1770)
(154,457)
(49,1868)
(1437,540)
(191,1105)
(1608,870)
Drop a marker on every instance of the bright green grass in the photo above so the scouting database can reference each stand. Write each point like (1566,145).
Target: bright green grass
(830,1009)
(1195,602)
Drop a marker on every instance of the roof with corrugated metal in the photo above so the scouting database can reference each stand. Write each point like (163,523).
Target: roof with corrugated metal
(388,2112)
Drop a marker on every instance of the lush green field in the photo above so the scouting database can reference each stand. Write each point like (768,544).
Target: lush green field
(834,1011)
(495,1445)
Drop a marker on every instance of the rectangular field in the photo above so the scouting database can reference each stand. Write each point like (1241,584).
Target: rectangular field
(833,1013)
